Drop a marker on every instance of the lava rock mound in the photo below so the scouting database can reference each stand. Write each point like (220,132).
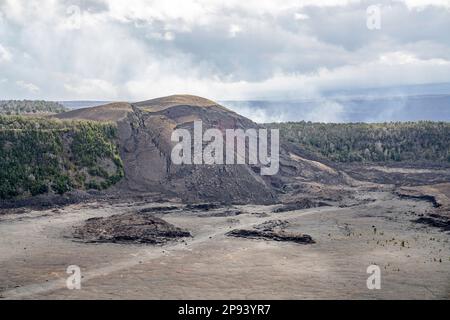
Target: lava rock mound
(272,230)
(128,228)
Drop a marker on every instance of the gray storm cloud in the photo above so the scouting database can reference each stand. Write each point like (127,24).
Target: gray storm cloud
(134,50)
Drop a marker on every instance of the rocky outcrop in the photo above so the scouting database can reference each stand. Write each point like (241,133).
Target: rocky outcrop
(272,230)
(128,228)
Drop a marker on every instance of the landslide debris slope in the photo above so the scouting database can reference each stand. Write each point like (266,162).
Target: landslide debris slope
(145,130)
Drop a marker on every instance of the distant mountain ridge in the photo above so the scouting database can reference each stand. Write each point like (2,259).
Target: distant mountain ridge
(405,90)
(339,109)
(422,102)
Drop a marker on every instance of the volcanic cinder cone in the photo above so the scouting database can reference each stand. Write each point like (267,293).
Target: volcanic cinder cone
(145,130)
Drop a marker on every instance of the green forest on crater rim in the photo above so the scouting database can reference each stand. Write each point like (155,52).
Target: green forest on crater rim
(41,155)
(16,107)
(371,142)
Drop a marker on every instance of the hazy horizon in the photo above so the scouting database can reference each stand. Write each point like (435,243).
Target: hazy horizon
(340,109)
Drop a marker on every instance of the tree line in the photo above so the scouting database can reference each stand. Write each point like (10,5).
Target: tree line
(15,107)
(364,142)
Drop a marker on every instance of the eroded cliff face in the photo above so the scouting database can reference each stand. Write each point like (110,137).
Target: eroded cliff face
(145,131)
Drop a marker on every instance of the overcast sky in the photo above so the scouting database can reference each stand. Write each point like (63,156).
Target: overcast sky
(223,50)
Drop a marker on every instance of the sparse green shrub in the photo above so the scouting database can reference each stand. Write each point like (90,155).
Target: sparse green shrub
(93,185)
(38,188)
(62,184)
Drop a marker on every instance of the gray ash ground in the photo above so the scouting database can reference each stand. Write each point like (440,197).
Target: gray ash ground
(35,251)
(128,228)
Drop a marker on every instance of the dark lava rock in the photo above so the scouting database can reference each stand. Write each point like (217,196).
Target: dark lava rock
(260,214)
(271,235)
(158,209)
(128,228)
(226,213)
(423,197)
(203,206)
(299,205)
(271,225)
(436,222)
(272,230)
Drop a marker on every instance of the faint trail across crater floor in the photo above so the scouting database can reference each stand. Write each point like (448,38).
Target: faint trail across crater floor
(148,254)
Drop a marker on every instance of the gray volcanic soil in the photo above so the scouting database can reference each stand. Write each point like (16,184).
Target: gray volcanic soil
(37,247)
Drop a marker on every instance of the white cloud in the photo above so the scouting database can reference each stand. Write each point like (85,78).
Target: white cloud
(326,111)
(300,16)
(235,50)
(421,4)
(30,87)
(259,115)
(89,88)
(234,30)
(169,36)
(5,55)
